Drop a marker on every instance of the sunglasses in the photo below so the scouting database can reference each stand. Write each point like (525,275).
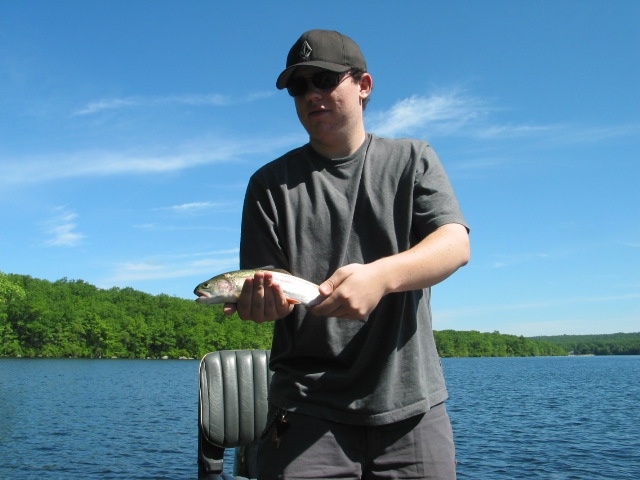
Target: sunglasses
(325,81)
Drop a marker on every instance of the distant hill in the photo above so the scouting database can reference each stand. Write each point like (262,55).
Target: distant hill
(605,344)
(455,343)
(71,318)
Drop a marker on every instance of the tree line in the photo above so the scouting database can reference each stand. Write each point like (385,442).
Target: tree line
(71,318)
(454,343)
(605,344)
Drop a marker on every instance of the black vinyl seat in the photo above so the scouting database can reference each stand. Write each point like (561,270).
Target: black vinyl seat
(232,411)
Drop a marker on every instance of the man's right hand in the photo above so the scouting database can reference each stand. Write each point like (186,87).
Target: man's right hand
(261,300)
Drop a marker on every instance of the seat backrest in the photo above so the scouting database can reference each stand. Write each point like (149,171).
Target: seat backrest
(233,404)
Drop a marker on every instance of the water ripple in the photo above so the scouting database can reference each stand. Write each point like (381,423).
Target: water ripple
(523,418)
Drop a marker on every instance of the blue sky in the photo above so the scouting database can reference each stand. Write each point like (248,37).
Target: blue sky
(129,129)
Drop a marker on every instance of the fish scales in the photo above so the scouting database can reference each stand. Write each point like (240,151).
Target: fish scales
(226,287)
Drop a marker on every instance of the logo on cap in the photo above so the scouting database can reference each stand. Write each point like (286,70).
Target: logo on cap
(305,51)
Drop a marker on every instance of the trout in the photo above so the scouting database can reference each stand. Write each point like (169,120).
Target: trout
(226,287)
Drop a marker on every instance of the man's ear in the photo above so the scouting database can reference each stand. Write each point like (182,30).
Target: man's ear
(366,85)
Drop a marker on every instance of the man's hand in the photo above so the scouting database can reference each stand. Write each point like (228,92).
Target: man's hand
(261,300)
(352,292)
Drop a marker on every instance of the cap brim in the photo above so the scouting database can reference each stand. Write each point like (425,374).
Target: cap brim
(286,74)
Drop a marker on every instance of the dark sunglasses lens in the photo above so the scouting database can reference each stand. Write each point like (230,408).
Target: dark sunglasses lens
(297,86)
(323,80)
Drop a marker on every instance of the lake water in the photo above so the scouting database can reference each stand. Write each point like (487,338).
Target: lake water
(513,418)
(546,418)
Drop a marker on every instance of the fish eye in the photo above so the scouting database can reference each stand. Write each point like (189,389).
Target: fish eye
(205,285)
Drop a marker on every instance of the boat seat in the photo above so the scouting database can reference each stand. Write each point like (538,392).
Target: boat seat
(232,411)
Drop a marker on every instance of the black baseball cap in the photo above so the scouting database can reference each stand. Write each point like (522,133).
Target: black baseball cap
(325,49)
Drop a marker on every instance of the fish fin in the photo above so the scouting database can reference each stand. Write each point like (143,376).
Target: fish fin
(293,301)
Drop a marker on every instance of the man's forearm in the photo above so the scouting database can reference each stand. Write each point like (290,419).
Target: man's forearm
(429,262)
(353,291)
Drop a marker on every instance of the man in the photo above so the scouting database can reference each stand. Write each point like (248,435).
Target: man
(357,390)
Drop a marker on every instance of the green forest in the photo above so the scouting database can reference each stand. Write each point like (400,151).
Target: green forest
(71,318)
(612,344)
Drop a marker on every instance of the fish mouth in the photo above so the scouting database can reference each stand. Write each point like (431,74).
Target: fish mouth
(204,299)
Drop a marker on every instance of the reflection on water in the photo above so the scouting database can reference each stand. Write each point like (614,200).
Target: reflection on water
(513,418)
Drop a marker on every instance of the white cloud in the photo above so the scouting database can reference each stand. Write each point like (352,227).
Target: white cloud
(506,131)
(167,268)
(454,113)
(447,112)
(450,113)
(133,101)
(195,207)
(63,165)
(184,228)
(443,114)
(61,230)
(503,261)
(203,100)
(93,164)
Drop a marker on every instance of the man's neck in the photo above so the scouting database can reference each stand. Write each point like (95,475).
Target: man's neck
(339,149)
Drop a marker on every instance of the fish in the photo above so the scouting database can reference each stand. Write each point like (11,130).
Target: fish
(226,287)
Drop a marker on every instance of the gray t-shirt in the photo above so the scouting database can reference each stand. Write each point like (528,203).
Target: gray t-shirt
(311,215)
